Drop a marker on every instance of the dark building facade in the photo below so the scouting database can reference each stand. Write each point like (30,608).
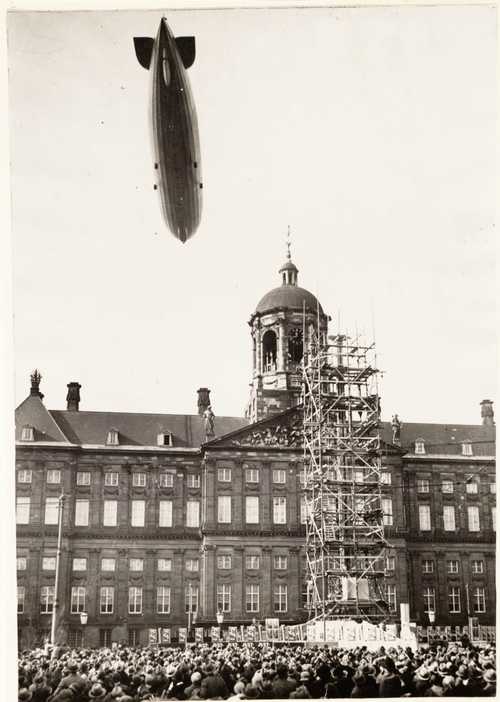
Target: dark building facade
(170,519)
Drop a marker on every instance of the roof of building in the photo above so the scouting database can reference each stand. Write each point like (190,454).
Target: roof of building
(134,428)
(289,297)
(444,439)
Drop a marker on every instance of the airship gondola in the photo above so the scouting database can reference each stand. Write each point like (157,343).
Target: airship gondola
(174,128)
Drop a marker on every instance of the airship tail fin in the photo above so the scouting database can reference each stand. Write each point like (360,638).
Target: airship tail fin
(144,50)
(187,50)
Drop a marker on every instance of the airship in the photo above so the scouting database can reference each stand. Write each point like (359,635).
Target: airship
(174,128)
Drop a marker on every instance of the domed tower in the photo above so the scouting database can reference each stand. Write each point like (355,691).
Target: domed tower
(278,325)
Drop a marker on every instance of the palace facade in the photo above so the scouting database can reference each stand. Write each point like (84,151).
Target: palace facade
(169,519)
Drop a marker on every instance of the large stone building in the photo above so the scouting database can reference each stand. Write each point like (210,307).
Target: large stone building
(168,513)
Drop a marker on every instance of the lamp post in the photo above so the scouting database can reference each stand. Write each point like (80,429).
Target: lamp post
(83,621)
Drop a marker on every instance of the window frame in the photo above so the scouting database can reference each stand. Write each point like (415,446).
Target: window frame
(77,600)
(279,476)
(82,512)
(80,480)
(106,602)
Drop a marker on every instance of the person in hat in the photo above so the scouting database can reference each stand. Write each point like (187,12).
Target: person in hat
(212,684)
(97,692)
(283,685)
(389,682)
(490,680)
(422,681)
(192,691)
(302,691)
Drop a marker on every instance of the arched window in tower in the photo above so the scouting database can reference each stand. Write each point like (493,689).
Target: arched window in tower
(269,351)
(295,346)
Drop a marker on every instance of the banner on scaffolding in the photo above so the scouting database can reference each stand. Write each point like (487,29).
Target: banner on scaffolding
(165,635)
(198,634)
(153,637)
(232,633)
(215,633)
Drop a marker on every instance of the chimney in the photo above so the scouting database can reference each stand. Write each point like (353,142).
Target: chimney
(203,400)
(73,396)
(36,377)
(487,414)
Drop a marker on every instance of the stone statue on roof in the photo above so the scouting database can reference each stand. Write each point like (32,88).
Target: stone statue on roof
(396,429)
(209,418)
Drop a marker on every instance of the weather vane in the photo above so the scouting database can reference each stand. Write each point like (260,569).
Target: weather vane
(288,243)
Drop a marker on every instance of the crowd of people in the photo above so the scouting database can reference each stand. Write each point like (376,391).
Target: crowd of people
(237,671)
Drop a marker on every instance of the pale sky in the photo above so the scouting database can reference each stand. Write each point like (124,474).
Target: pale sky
(370,131)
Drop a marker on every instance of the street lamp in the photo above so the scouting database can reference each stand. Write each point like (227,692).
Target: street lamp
(83,621)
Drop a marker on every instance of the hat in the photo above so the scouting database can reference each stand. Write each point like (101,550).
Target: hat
(196,677)
(97,691)
(423,673)
(490,676)
(72,666)
(24,695)
(171,670)
(305,675)
(251,692)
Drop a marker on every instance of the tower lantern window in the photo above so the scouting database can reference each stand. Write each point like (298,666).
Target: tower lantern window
(269,350)
(295,346)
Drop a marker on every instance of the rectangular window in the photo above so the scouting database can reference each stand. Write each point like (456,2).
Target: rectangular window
(163,599)
(390,595)
(81,513)
(77,600)
(139,479)
(224,598)
(252,562)
(192,564)
(224,562)
(386,504)
(280,562)
(164,564)
(449,518)
(23,510)
(138,510)
(252,510)
(192,513)
(110,512)
(477,567)
(385,478)
(46,599)
(224,509)
(193,481)
(422,485)
(429,599)
(466,448)
(447,487)
(478,600)
(390,563)
(165,513)
(52,510)
(24,476)
(135,600)
(21,563)
(252,598)
(454,600)
(424,517)
(111,479)
(473,517)
(452,566)
(427,566)
(83,477)
(136,564)
(493,488)
(191,598)
(54,477)
(167,480)
(134,637)
(224,475)
(280,598)
(304,507)
(105,638)
(106,600)
(279,510)
(279,477)
(49,563)
(471,486)
(20,599)
(108,564)
(252,475)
